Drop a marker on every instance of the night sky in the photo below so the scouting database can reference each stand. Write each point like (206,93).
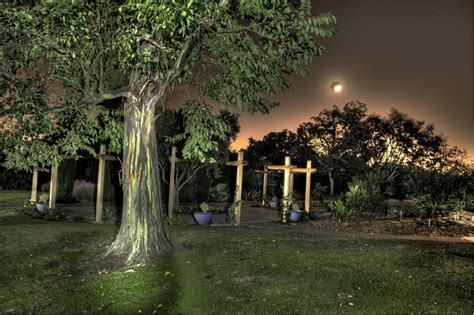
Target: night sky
(412,55)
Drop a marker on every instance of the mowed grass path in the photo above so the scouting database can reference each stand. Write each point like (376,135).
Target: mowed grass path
(52,267)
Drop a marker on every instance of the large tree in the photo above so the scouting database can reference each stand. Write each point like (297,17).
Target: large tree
(237,53)
(337,137)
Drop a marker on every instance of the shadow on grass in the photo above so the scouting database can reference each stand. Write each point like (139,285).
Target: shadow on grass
(57,267)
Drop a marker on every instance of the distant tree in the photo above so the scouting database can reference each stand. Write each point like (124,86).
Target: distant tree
(236,52)
(272,149)
(337,138)
(397,141)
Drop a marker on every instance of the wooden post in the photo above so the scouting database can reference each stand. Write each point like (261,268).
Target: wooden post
(171,182)
(34,186)
(286,188)
(99,205)
(265,184)
(308,171)
(307,195)
(292,182)
(239,179)
(53,186)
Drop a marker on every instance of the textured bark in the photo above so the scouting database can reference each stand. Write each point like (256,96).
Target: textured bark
(142,236)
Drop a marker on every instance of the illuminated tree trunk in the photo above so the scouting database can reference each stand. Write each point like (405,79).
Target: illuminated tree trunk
(142,235)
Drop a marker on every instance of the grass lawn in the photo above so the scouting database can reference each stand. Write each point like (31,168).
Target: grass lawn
(14,196)
(51,267)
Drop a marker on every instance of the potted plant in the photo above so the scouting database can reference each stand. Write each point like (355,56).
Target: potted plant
(274,202)
(295,213)
(204,217)
(42,203)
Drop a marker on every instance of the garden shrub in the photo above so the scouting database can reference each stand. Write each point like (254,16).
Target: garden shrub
(351,204)
(251,195)
(219,193)
(373,199)
(356,199)
(427,206)
(319,192)
(341,210)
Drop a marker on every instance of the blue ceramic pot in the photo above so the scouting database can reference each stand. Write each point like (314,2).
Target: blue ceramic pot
(41,207)
(295,216)
(274,204)
(203,218)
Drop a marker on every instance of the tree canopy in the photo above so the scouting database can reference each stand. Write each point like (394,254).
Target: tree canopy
(236,53)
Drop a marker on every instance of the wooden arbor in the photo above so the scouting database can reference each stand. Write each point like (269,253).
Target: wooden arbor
(102,157)
(288,181)
(240,163)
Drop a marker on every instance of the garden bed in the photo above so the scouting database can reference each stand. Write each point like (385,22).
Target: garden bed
(407,226)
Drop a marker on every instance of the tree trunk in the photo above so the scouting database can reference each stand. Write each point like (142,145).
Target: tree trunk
(142,236)
(331,182)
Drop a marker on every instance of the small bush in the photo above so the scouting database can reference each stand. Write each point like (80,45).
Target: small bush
(426,206)
(356,199)
(219,193)
(295,206)
(251,195)
(175,220)
(341,211)
(204,206)
(320,192)
(230,218)
(373,199)
(351,204)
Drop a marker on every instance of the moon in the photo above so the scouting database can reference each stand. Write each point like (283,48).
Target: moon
(336,87)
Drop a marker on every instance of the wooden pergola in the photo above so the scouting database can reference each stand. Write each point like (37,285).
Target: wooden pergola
(53,186)
(239,163)
(288,182)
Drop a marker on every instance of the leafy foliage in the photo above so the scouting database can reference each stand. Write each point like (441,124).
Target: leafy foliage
(341,211)
(202,131)
(351,204)
(219,193)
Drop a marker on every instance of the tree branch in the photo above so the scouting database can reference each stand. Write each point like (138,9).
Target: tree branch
(93,99)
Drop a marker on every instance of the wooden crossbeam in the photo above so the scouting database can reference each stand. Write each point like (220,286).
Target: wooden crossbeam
(281,167)
(237,163)
(97,156)
(303,170)
(288,178)
(106,157)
